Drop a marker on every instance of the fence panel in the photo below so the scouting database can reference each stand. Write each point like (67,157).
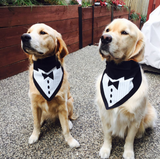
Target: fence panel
(140,6)
(153,4)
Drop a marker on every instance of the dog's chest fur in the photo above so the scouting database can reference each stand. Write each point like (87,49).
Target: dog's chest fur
(117,120)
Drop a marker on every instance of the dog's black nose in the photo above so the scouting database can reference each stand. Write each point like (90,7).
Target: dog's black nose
(105,39)
(25,37)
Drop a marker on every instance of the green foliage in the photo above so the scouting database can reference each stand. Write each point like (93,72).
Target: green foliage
(73,2)
(143,18)
(25,2)
(3,3)
(56,2)
(31,2)
(18,2)
(86,4)
(135,16)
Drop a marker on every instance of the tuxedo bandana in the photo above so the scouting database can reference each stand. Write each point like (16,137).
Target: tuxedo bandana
(48,76)
(119,82)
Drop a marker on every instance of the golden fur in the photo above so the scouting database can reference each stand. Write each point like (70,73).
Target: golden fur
(136,114)
(46,42)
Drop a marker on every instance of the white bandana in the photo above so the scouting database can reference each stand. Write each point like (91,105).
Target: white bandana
(48,76)
(119,82)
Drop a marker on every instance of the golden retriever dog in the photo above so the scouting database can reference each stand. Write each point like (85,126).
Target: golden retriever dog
(49,89)
(121,91)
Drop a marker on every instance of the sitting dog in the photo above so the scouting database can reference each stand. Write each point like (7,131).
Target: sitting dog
(49,90)
(121,91)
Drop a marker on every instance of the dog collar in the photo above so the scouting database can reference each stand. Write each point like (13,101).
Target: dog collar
(119,82)
(48,76)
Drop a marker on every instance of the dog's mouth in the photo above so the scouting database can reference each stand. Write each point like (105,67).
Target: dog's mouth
(29,50)
(104,50)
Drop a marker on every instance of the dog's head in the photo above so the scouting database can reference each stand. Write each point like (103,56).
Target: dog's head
(122,41)
(42,41)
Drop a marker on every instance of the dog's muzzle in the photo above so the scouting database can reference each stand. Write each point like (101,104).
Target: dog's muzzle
(25,38)
(106,39)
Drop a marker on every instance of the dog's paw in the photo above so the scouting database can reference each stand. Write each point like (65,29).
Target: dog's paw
(33,139)
(104,152)
(128,155)
(73,143)
(70,124)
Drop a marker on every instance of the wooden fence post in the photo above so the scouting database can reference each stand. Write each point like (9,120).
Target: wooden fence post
(92,24)
(80,27)
(129,13)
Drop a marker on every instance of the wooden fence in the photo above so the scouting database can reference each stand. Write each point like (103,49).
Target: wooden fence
(14,21)
(153,4)
(140,6)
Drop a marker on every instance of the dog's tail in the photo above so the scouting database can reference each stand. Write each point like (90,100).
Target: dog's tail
(150,117)
(149,120)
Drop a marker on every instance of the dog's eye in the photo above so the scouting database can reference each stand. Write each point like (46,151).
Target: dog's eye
(42,32)
(107,30)
(124,33)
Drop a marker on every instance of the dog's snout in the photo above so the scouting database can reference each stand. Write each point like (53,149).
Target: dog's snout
(105,39)
(25,37)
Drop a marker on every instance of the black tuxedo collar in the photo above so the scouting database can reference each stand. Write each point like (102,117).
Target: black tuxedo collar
(46,64)
(126,69)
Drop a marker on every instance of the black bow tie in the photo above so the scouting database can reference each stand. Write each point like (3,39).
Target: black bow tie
(49,75)
(115,84)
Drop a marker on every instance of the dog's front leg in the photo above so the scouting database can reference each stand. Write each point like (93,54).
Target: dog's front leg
(63,117)
(107,145)
(37,113)
(128,147)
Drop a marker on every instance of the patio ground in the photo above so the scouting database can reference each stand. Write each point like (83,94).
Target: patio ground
(16,121)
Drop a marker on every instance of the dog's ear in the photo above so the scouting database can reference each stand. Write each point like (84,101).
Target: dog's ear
(62,50)
(138,52)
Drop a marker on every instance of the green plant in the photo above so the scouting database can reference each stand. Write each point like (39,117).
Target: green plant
(24,2)
(135,16)
(3,3)
(32,2)
(143,18)
(18,2)
(86,4)
(73,2)
(56,2)
(116,2)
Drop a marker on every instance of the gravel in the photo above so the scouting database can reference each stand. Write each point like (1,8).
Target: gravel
(16,121)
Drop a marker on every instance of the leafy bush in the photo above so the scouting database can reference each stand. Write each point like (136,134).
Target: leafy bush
(32,2)
(134,16)
(18,2)
(73,2)
(143,18)
(54,2)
